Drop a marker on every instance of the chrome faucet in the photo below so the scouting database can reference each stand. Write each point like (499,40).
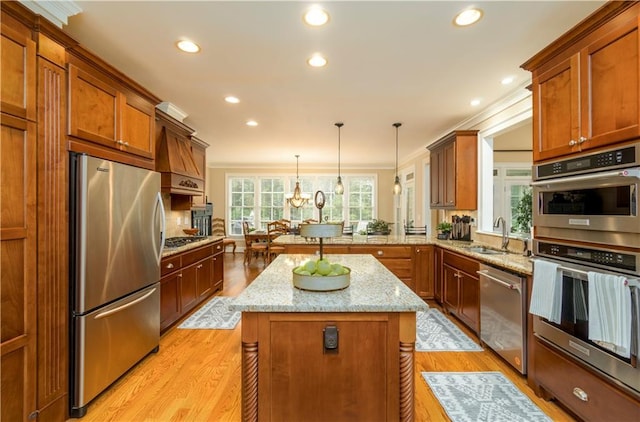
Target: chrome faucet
(505,238)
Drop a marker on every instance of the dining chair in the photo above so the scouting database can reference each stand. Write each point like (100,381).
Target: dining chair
(275,229)
(252,246)
(286,223)
(219,228)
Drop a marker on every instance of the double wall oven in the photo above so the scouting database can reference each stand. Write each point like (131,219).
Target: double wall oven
(586,222)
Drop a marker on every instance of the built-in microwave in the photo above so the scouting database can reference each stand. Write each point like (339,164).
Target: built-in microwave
(593,198)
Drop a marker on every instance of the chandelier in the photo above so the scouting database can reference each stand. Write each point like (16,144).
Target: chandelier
(297,199)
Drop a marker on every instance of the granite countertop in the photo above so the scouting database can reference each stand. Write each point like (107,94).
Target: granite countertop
(513,261)
(193,245)
(373,288)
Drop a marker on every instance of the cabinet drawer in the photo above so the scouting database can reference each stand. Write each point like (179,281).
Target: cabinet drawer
(383,251)
(562,377)
(467,265)
(196,255)
(170,264)
(402,268)
(217,248)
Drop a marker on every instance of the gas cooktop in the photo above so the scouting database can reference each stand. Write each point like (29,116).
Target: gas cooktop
(176,242)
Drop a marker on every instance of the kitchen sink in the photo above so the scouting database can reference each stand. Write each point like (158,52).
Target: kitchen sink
(485,251)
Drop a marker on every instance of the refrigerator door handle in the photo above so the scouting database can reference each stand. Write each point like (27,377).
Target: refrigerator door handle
(123,307)
(163,224)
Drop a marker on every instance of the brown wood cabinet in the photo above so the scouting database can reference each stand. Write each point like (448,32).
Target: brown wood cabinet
(104,112)
(586,394)
(187,280)
(424,271)
(454,171)
(18,225)
(437,274)
(368,377)
(585,85)
(461,288)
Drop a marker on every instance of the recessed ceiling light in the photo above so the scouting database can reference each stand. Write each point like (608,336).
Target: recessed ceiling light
(468,17)
(475,102)
(188,46)
(316,16)
(231,99)
(252,123)
(317,60)
(507,80)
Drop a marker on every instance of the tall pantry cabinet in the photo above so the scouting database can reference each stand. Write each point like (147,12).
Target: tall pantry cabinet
(33,227)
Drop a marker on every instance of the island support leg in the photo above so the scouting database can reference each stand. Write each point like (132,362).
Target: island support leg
(407,382)
(249,367)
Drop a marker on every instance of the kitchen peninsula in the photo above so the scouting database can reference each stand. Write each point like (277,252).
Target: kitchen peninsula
(339,355)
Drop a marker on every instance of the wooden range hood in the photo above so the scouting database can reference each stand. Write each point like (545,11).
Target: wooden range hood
(174,157)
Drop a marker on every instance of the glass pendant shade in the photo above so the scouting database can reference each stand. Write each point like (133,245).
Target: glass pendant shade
(339,186)
(339,189)
(397,187)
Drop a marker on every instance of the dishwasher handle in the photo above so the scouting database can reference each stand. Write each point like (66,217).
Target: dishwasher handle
(485,273)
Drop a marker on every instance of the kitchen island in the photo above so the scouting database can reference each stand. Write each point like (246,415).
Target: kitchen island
(339,355)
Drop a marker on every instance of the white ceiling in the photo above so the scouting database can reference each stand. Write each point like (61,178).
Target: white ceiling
(388,62)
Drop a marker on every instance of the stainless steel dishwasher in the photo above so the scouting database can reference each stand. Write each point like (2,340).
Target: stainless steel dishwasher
(503,313)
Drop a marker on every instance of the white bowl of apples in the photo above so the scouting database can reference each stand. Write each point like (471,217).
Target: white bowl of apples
(321,275)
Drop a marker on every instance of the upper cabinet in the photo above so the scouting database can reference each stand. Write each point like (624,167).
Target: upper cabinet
(454,171)
(585,85)
(110,116)
(18,76)
(199,150)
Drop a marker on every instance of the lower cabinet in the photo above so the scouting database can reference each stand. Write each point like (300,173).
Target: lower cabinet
(461,288)
(424,271)
(188,279)
(587,395)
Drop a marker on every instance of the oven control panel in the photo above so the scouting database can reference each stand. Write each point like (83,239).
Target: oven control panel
(603,258)
(606,160)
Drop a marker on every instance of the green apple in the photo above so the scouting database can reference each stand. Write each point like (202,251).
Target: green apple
(299,269)
(323,267)
(310,266)
(336,268)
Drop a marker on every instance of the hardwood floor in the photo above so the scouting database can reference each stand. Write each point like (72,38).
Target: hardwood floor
(196,375)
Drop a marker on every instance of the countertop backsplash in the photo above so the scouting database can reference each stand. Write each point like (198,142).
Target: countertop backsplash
(175,220)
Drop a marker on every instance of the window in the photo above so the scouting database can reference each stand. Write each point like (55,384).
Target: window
(260,199)
(510,186)
(361,200)
(241,208)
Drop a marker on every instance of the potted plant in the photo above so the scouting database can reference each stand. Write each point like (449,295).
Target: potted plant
(444,230)
(378,227)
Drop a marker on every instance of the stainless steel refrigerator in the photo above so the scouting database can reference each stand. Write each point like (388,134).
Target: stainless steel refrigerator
(117,237)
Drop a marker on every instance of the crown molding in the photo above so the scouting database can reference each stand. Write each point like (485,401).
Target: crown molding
(58,12)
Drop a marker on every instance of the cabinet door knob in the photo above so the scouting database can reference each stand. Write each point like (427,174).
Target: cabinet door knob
(169,265)
(180,275)
(199,266)
(380,253)
(572,143)
(579,393)
(582,140)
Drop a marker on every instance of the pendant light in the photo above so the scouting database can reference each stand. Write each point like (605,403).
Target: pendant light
(397,188)
(339,190)
(297,199)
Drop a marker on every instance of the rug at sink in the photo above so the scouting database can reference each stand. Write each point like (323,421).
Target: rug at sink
(435,333)
(482,396)
(215,314)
